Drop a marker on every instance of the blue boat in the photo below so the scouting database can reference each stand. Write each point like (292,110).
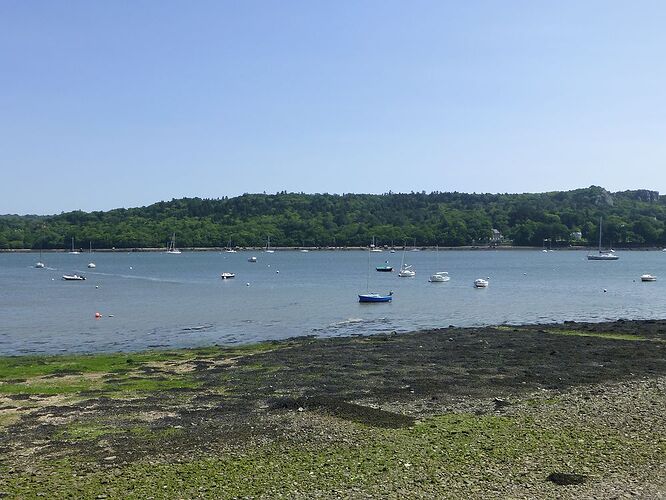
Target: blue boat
(375,297)
(385,268)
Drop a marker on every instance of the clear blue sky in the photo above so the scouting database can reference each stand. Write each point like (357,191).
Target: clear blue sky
(125,103)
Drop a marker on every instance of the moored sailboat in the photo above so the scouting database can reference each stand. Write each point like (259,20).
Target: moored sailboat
(369,297)
(268,245)
(72,251)
(603,254)
(171,248)
(406,271)
(373,248)
(91,264)
(40,263)
(438,276)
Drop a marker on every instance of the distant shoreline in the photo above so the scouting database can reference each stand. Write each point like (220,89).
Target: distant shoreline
(320,249)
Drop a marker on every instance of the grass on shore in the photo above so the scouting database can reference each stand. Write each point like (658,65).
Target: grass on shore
(164,443)
(109,374)
(452,453)
(575,333)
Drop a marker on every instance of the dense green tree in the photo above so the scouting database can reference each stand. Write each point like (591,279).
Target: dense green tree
(291,219)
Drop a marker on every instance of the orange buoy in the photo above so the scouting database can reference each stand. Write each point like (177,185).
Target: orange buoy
(98,315)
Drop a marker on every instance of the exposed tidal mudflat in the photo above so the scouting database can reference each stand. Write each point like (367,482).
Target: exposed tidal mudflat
(561,410)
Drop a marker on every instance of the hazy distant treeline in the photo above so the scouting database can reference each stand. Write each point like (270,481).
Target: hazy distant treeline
(631,218)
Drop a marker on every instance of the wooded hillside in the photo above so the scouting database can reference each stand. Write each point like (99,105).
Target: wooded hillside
(631,218)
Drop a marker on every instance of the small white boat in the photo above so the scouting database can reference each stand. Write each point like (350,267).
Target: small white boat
(480,283)
(91,265)
(603,254)
(73,277)
(171,249)
(648,277)
(252,259)
(305,250)
(439,277)
(230,249)
(40,264)
(407,272)
(72,251)
(373,248)
(226,276)
(268,246)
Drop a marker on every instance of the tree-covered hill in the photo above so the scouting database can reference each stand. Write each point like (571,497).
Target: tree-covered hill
(631,218)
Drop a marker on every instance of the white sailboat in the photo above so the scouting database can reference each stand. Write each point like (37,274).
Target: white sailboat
(268,245)
(603,254)
(40,264)
(72,251)
(171,249)
(91,264)
(229,248)
(406,271)
(438,276)
(373,248)
(481,283)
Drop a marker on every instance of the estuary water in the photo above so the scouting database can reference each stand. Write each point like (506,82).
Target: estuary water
(156,300)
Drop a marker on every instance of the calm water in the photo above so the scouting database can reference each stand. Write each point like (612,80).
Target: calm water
(160,300)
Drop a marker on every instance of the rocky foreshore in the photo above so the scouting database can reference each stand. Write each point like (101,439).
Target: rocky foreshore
(572,410)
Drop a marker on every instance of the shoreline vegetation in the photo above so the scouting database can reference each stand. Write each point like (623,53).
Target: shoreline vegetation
(631,219)
(570,410)
(341,249)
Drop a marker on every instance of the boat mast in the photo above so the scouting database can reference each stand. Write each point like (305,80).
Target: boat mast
(367,276)
(600,234)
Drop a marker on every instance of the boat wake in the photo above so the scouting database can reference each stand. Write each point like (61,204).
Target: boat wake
(197,328)
(135,277)
(346,322)
(353,326)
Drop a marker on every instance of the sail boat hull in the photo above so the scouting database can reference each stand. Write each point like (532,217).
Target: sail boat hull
(603,256)
(406,272)
(374,297)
